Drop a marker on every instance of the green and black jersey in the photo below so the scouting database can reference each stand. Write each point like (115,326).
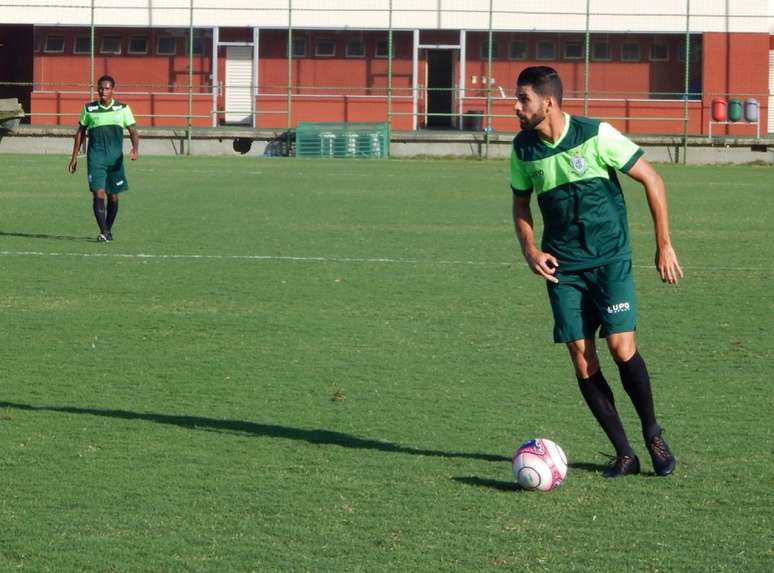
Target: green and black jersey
(106,130)
(580,198)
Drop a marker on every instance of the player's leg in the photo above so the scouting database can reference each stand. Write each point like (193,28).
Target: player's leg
(112,213)
(100,214)
(600,400)
(575,325)
(619,313)
(116,184)
(636,382)
(98,180)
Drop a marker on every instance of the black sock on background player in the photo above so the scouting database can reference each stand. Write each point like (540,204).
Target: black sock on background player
(636,382)
(601,402)
(100,214)
(112,212)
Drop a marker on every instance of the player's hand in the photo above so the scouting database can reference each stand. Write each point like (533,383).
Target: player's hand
(543,264)
(73,165)
(134,155)
(667,266)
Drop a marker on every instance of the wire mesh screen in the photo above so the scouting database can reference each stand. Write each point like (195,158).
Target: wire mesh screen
(414,65)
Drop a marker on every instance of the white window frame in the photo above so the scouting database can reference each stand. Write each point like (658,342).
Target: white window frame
(510,50)
(624,58)
(298,41)
(597,58)
(545,43)
(386,43)
(320,41)
(158,45)
(47,50)
(572,43)
(129,49)
(653,58)
(361,54)
(75,44)
(115,52)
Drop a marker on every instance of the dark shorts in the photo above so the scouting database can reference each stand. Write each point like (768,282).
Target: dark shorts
(107,176)
(602,297)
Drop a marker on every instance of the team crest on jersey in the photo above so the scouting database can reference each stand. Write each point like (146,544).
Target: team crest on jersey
(578,163)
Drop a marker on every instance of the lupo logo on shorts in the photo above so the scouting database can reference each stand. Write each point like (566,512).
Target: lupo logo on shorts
(620,307)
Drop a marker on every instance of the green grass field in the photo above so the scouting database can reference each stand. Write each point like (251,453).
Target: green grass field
(286,365)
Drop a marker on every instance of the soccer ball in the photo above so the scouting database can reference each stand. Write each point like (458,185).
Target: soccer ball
(539,464)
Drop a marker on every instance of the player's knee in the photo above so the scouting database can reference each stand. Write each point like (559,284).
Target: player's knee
(584,360)
(622,348)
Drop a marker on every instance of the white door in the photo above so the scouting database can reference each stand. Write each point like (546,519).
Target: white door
(771,92)
(239,79)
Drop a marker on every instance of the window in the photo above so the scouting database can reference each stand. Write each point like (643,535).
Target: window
(485,49)
(600,51)
(630,52)
(137,45)
(517,50)
(381,48)
(299,47)
(546,50)
(659,52)
(82,45)
(573,51)
(325,48)
(198,45)
(166,46)
(110,45)
(355,49)
(54,45)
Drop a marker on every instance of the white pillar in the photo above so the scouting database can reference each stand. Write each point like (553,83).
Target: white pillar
(415,80)
(214,74)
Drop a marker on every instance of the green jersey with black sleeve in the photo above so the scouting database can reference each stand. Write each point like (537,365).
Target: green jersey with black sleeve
(580,197)
(106,130)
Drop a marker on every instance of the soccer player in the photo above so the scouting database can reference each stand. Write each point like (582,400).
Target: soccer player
(570,163)
(105,120)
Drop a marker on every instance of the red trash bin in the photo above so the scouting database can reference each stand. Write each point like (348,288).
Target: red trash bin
(719,109)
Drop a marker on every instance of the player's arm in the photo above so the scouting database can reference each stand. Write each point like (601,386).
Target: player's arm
(541,263)
(77,142)
(666,260)
(134,137)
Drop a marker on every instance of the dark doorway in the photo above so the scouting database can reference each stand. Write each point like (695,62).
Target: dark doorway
(439,88)
(16,64)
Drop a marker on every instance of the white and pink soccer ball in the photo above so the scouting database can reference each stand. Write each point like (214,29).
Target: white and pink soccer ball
(539,464)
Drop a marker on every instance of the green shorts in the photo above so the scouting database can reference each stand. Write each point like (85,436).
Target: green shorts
(107,176)
(583,301)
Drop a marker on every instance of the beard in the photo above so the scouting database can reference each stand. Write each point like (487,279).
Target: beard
(531,123)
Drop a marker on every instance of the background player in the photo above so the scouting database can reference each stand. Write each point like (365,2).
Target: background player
(570,163)
(105,120)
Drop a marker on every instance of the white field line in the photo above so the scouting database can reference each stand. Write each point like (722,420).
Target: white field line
(320,259)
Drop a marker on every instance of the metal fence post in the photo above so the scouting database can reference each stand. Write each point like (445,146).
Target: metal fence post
(586,62)
(687,78)
(190,78)
(389,68)
(488,86)
(290,64)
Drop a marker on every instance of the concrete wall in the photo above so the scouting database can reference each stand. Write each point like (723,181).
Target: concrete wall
(58,141)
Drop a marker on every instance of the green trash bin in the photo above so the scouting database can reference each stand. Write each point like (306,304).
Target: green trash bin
(734,110)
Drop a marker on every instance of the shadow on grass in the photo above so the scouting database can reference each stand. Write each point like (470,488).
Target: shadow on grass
(44,236)
(312,436)
(500,485)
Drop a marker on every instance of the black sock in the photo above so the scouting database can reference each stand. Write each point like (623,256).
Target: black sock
(99,214)
(636,382)
(600,400)
(112,212)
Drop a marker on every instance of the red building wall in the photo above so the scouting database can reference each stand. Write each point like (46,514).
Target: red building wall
(736,66)
(346,88)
